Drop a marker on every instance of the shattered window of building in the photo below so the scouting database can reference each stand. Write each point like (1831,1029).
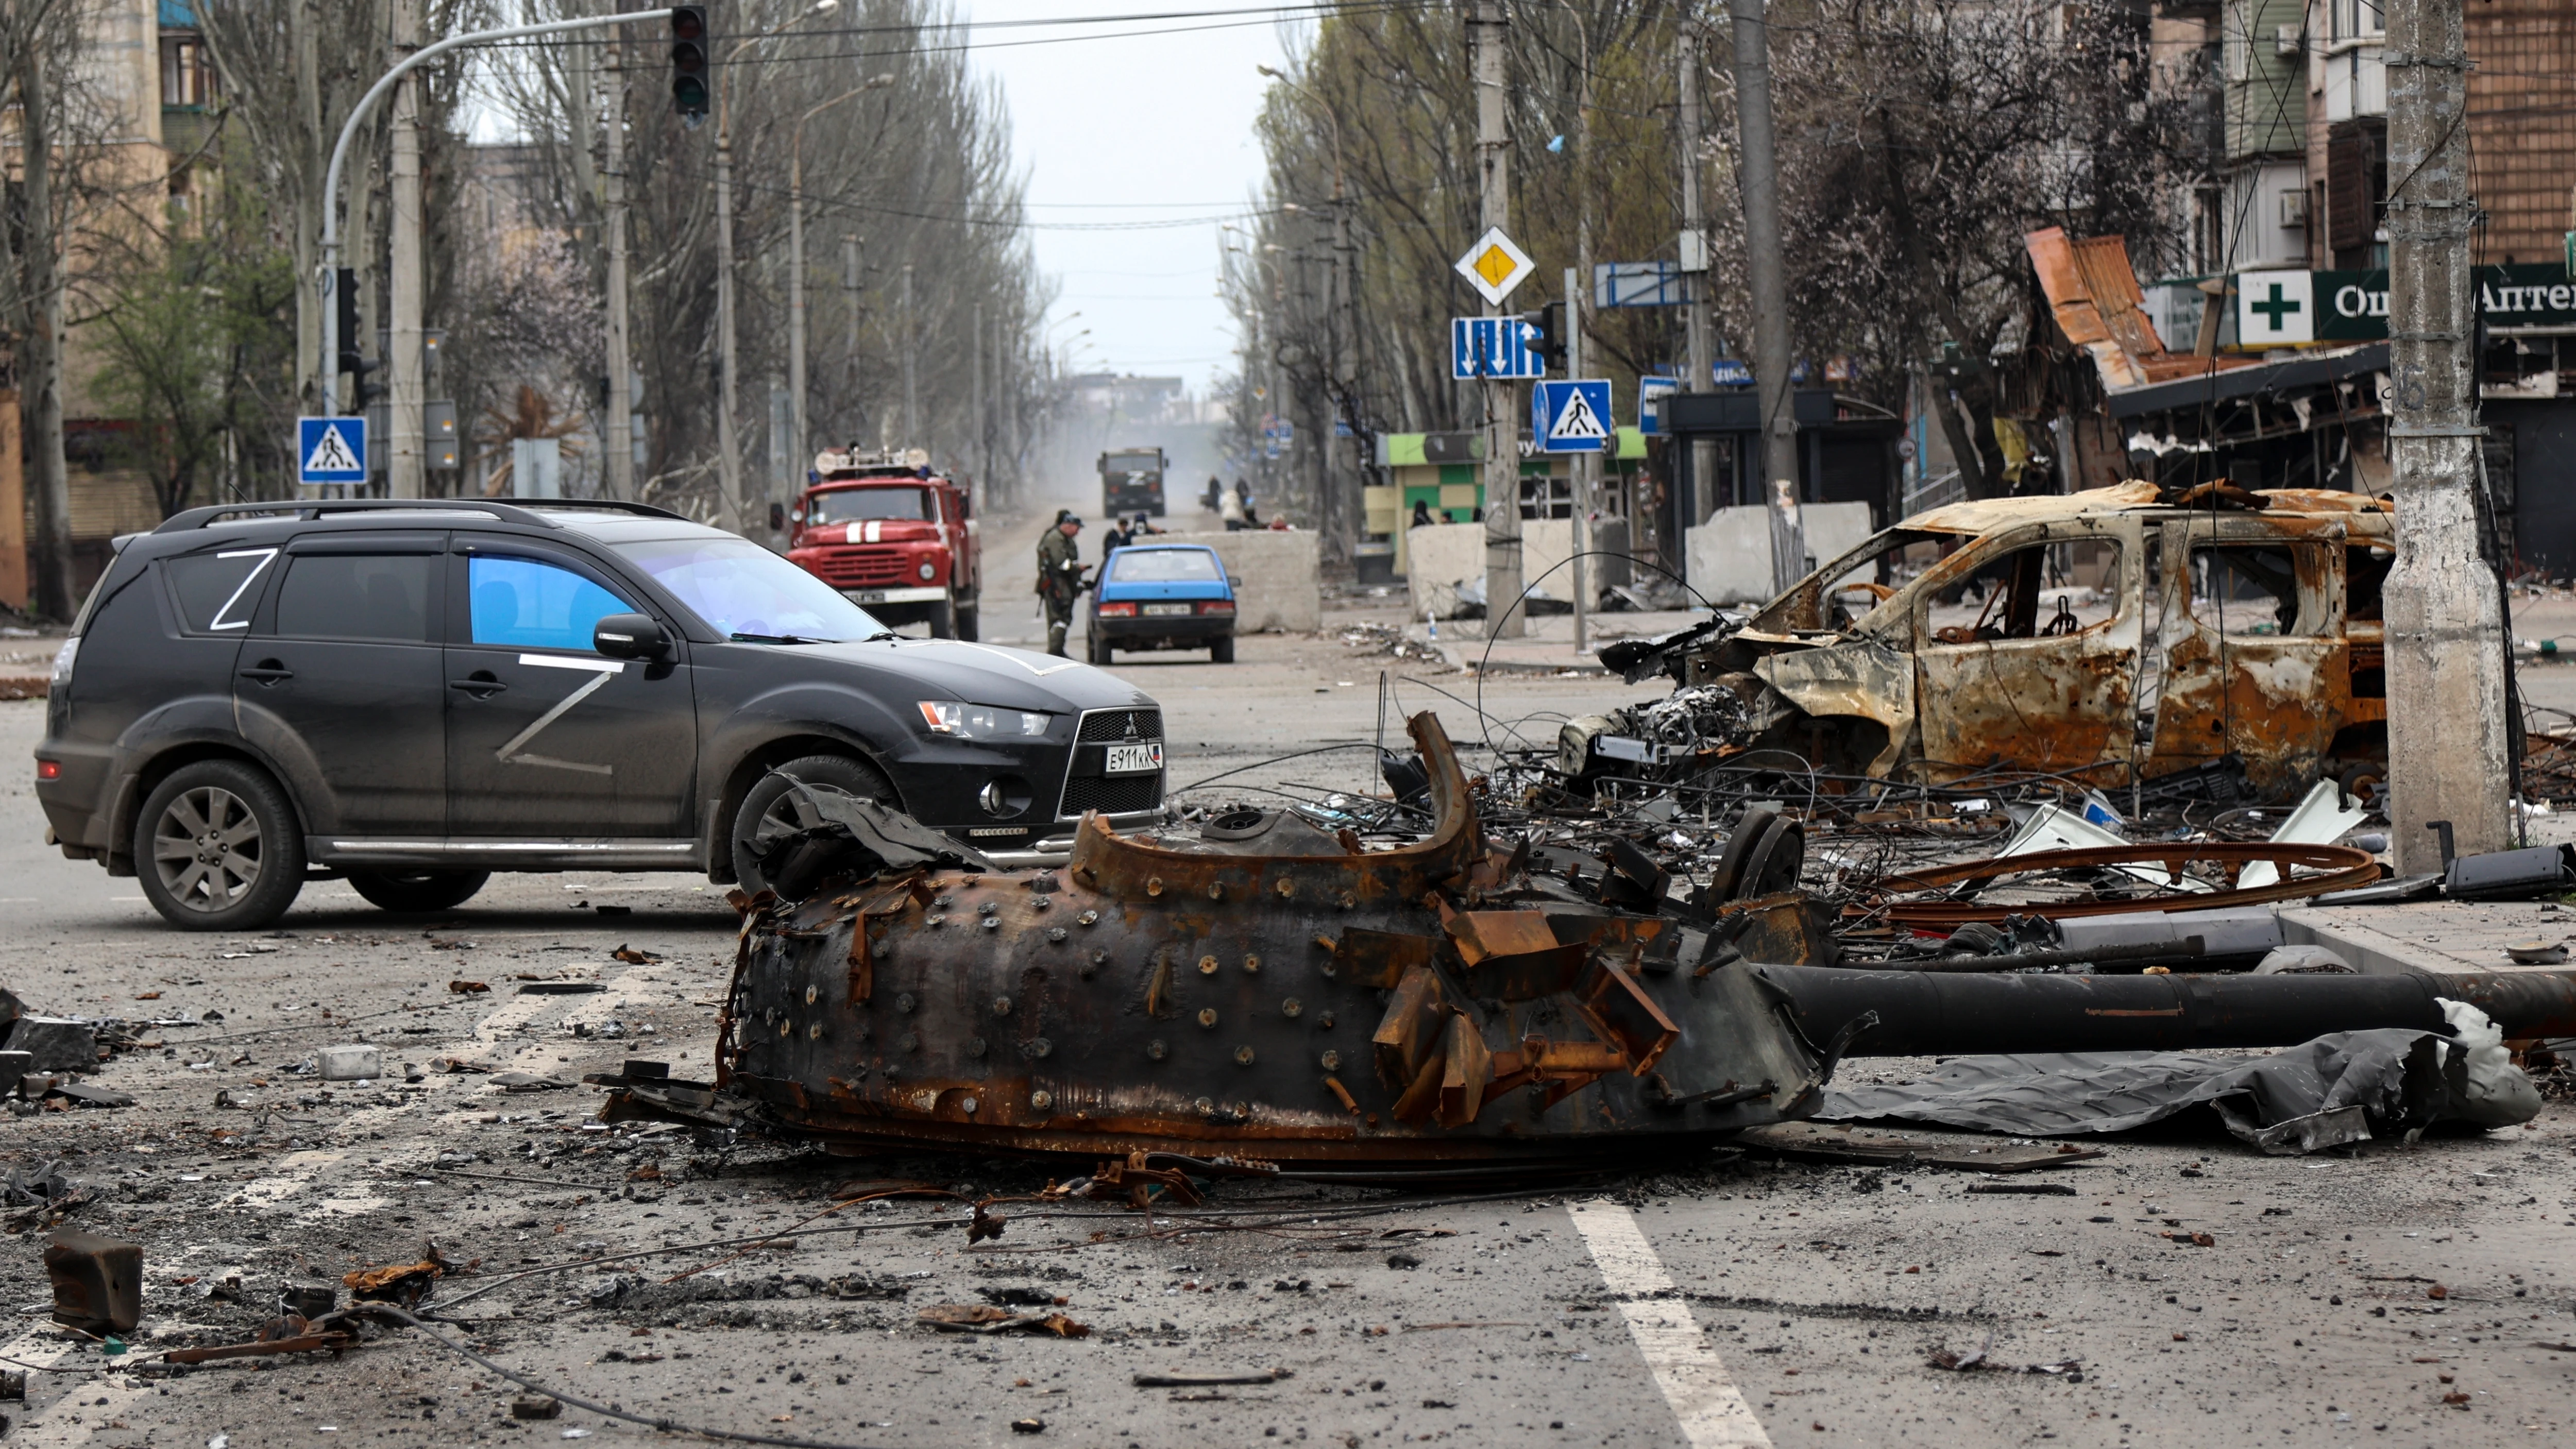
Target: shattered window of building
(2255,590)
(2037,591)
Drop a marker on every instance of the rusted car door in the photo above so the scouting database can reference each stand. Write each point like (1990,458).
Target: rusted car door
(2257,662)
(2037,681)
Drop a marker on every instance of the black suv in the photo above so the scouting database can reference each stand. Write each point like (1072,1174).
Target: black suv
(416,694)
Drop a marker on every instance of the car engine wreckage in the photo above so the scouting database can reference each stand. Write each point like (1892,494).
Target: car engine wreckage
(1261,991)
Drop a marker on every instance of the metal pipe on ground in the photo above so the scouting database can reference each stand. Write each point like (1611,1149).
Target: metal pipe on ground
(1937,1014)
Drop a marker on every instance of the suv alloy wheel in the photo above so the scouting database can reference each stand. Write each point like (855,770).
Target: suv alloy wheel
(218,848)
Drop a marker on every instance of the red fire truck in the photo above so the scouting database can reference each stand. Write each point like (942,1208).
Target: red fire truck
(895,537)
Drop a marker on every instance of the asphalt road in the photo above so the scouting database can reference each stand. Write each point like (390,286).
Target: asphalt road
(1711,1301)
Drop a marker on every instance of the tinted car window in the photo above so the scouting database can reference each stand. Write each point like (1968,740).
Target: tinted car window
(851,504)
(744,591)
(356,596)
(1163,566)
(530,605)
(216,590)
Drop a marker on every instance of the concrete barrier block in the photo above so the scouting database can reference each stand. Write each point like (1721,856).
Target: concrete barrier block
(1730,555)
(1281,575)
(1441,556)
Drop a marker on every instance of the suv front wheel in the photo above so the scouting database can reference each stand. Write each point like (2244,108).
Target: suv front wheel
(217,848)
(771,798)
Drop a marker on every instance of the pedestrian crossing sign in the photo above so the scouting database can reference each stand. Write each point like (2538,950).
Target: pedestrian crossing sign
(1573,416)
(331,450)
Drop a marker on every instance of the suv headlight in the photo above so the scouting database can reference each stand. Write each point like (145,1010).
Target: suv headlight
(63,663)
(980,721)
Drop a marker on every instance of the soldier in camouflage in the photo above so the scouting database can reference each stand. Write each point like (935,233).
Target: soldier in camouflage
(1060,579)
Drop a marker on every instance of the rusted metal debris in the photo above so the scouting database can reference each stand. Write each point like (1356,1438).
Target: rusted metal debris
(2334,867)
(1299,1000)
(98,1282)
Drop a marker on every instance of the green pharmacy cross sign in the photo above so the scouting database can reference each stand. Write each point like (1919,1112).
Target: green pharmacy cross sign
(2276,307)
(2289,308)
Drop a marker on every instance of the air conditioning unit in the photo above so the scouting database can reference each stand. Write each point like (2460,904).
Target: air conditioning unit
(2294,207)
(2288,40)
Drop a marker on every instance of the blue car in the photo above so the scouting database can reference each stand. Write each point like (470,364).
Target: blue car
(1163,596)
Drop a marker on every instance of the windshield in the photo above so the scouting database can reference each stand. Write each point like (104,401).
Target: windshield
(850,505)
(1848,588)
(743,590)
(1163,566)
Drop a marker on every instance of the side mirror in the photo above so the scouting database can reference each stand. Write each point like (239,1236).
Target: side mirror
(778,518)
(630,636)
(1234,581)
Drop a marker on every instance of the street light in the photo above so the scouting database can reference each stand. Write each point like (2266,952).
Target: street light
(728,464)
(796,256)
(1336,517)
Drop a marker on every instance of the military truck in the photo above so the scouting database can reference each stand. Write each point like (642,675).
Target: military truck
(1131,482)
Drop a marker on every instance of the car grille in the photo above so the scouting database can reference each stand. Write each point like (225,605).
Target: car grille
(864,566)
(1112,794)
(1109,726)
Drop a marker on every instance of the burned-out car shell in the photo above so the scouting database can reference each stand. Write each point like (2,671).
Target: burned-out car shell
(417,754)
(2248,629)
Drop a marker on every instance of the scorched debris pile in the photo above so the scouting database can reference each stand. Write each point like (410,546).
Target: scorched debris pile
(1283,991)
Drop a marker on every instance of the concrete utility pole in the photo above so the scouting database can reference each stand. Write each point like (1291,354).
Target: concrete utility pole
(850,305)
(1576,463)
(728,459)
(619,433)
(1700,358)
(1578,298)
(1757,171)
(981,454)
(406,452)
(911,370)
(1503,618)
(2447,734)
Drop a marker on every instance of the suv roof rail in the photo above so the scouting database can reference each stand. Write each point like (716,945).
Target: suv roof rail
(194,518)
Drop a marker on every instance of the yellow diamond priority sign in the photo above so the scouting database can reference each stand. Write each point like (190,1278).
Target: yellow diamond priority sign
(1494,266)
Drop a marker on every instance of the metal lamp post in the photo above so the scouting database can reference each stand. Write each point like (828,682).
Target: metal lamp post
(728,463)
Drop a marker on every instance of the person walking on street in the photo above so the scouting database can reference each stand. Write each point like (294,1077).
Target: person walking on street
(1060,579)
(1118,537)
(1232,513)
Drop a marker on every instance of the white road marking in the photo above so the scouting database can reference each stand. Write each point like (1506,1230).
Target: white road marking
(1711,1409)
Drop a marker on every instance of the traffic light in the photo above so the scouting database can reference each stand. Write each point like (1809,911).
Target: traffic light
(352,360)
(1546,340)
(689,77)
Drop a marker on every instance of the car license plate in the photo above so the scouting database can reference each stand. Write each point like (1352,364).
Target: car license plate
(1135,759)
(870,596)
(1167,608)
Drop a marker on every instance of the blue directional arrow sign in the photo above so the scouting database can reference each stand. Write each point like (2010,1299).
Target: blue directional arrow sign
(1492,347)
(331,450)
(1573,416)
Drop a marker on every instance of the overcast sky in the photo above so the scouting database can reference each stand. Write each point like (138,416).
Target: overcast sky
(1124,131)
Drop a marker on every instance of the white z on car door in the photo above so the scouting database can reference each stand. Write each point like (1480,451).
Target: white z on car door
(547,739)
